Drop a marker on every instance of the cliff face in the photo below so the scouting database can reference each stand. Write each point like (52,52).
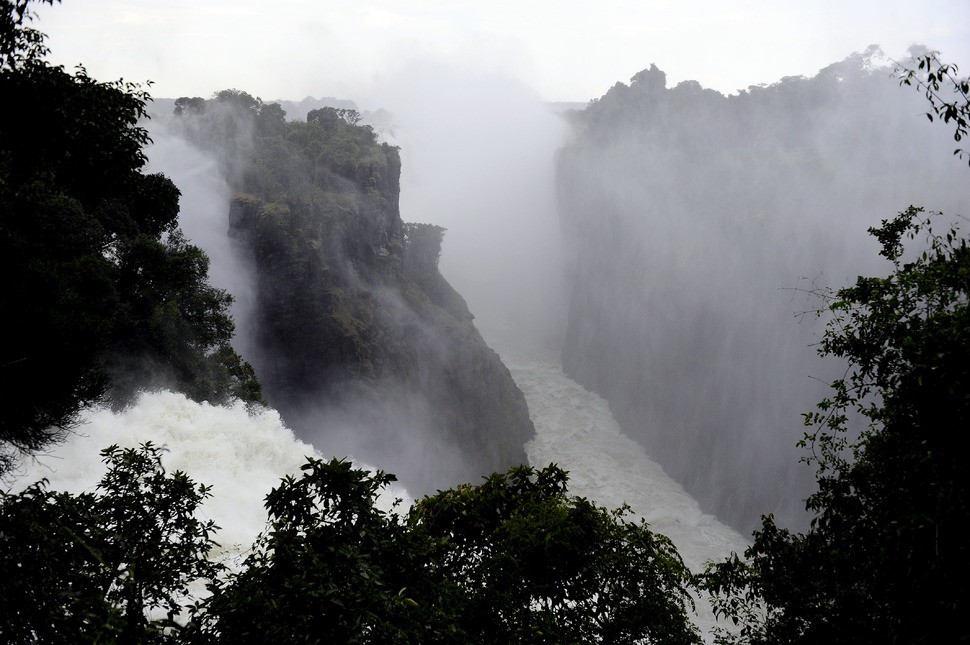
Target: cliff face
(360,343)
(695,224)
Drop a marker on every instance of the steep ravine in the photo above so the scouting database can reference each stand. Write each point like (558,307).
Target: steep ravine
(359,342)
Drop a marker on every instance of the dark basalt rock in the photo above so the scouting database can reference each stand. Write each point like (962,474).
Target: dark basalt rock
(363,346)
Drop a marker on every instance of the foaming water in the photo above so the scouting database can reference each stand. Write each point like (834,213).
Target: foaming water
(576,430)
(241,454)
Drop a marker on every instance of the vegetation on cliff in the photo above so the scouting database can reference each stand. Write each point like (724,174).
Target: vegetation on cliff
(694,222)
(886,558)
(355,330)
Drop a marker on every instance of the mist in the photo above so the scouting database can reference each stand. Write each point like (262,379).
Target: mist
(669,241)
(476,153)
(701,229)
(327,309)
(204,217)
(477,156)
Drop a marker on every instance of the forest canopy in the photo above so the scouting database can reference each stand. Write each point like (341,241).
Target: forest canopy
(513,559)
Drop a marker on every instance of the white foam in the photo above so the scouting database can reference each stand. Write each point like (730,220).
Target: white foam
(576,430)
(242,455)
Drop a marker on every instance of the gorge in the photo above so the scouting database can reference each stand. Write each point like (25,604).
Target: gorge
(665,246)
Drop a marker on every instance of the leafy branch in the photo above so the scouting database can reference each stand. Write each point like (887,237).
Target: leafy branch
(947,92)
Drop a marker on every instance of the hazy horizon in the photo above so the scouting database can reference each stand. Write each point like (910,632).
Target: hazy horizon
(565,51)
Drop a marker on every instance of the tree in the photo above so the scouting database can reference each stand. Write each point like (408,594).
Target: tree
(331,568)
(240,100)
(886,559)
(19,43)
(525,563)
(98,275)
(513,560)
(947,93)
(189,105)
(330,117)
(105,566)
(422,250)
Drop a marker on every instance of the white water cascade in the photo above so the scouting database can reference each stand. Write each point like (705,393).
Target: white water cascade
(576,430)
(242,455)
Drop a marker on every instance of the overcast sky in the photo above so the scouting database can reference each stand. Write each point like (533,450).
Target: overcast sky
(565,50)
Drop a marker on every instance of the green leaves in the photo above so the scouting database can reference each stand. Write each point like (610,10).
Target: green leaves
(91,567)
(527,563)
(511,560)
(947,93)
(514,559)
(20,45)
(886,558)
(331,567)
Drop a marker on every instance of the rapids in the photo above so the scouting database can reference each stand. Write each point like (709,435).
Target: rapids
(243,454)
(576,430)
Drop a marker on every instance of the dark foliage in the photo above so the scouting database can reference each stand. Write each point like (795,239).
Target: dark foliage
(331,568)
(526,563)
(947,93)
(422,251)
(100,283)
(19,42)
(514,560)
(886,559)
(90,567)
